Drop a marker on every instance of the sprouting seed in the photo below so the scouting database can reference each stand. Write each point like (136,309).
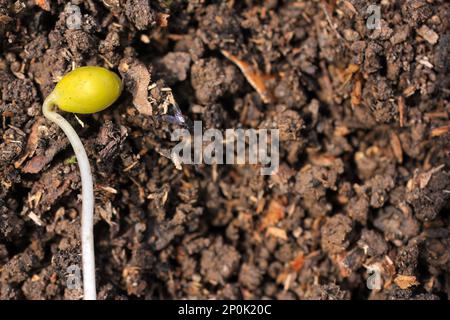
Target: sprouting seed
(83,90)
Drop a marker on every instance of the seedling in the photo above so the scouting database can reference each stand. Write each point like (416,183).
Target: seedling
(83,90)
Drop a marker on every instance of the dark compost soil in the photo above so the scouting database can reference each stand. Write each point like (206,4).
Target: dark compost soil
(363,184)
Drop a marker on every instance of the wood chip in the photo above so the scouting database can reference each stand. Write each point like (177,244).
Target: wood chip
(277,232)
(349,72)
(255,77)
(35,278)
(36,219)
(428,34)
(396,147)
(439,131)
(425,62)
(401,111)
(108,189)
(35,165)
(341,131)
(287,282)
(405,282)
(409,91)
(107,212)
(435,115)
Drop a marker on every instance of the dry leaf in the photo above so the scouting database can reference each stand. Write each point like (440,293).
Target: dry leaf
(405,282)
(356,94)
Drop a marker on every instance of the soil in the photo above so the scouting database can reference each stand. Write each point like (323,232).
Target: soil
(363,182)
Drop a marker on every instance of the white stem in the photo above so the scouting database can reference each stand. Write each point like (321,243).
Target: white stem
(87,213)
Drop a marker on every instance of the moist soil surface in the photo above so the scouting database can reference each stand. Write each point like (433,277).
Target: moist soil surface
(358,209)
